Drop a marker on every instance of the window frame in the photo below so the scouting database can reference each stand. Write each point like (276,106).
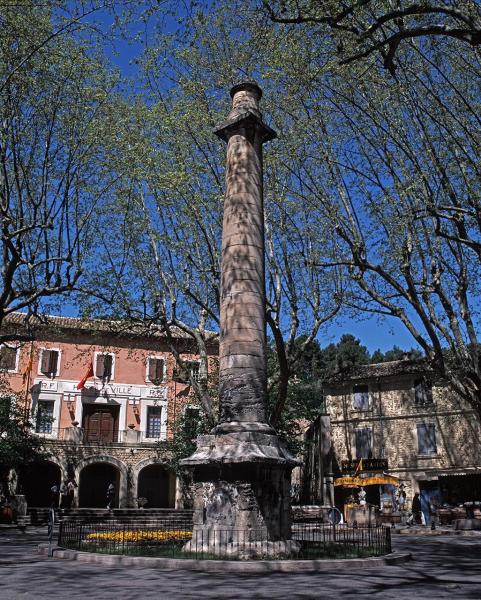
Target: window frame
(112,374)
(194,362)
(40,360)
(37,430)
(359,429)
(17,359)
(432,427)
(427,388)
(147,369)
(144,405)
(148,410)
(354,392)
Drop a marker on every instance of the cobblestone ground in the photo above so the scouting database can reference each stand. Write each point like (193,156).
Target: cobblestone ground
(443,567)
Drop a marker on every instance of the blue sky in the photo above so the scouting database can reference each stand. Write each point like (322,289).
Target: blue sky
(372,332)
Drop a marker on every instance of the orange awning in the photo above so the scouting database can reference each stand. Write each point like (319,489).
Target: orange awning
(383,479)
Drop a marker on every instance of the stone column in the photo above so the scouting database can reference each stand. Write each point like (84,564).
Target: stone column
(242,472)
(242,313)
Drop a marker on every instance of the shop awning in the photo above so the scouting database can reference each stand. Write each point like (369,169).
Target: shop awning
(350,482)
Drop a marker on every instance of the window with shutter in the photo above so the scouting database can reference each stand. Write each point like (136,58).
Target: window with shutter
(99,365)
(426,438)
(423,392)
(156,370)
(360,397)
(103,366)
(49,363)
(8,358)
(364,443)
(190,367)
(108,366)
(193,368)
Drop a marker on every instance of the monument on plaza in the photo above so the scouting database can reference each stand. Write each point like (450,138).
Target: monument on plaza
(241,471)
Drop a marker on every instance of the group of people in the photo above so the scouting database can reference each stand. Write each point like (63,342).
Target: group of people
(63,495)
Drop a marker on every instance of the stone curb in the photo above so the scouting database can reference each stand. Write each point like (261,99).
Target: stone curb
(228,566)
(436,532)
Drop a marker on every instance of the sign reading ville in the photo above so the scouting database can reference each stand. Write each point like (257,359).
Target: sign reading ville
(109,389)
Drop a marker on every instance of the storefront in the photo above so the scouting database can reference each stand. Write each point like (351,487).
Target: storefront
(368,497)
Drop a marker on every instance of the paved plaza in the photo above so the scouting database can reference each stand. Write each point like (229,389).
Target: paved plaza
(443,567)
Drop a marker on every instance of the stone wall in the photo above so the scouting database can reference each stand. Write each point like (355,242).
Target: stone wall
(129,459)
(393,417)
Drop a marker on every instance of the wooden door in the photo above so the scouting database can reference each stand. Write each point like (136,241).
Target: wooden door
(101,423)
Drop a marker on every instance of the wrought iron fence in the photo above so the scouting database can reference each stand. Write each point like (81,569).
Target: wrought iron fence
(176,539)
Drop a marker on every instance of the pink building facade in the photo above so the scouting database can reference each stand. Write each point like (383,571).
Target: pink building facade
(117,427)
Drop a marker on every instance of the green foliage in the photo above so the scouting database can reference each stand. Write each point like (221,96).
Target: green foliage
(185,431)
(395,353)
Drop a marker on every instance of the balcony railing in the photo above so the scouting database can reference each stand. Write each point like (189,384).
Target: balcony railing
(84,436)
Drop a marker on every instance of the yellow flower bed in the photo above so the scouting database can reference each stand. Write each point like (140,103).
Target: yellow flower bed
(139,536)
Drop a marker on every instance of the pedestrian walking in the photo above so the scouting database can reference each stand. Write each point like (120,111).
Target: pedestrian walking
(71,485)
(416,509)
(63,495)
(54,496)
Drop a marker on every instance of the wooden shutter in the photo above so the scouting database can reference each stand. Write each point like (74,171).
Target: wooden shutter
(156,370)
(53,362)
(45,366)
(8,358)
(363,443)
(159,369)
(152,369)
(107,366)
(99,365)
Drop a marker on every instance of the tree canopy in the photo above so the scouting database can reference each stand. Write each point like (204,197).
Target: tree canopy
(372,189)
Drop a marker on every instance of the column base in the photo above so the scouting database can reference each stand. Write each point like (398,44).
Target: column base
(242,496)
(234,426)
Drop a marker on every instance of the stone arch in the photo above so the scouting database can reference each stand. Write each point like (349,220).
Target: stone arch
(99,471)
(36,480)
(153,479)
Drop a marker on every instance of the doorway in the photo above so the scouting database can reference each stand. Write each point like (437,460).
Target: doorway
(154,485)
(36,481)
(429,491)
(101,422)
(94,481)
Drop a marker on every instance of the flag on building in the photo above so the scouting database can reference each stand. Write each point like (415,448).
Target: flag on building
(89,373)
(28,370)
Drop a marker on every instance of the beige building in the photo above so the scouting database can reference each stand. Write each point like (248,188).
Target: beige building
(399,411)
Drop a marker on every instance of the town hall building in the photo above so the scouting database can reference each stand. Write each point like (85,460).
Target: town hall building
(106,400)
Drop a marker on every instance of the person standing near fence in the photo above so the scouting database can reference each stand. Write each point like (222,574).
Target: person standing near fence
(54,496)
(63,495)
(110,495)
(70,492)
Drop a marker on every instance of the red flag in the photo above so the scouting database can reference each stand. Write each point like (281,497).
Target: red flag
(89,373)
(28,370)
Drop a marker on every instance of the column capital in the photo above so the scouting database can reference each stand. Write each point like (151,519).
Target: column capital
(245,113)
